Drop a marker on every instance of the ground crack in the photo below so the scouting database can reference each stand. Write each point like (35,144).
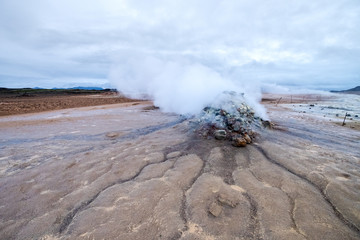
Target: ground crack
(70,216)
(292,215)
(291,201)
(324,196)
(184,203)
(255,225)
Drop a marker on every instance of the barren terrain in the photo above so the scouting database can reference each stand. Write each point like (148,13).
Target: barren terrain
(20,101)
(128,171)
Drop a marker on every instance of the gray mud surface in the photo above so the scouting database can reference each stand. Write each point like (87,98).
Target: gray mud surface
(122,172)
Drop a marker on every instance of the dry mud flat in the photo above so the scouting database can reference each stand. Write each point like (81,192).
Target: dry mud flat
(122,172)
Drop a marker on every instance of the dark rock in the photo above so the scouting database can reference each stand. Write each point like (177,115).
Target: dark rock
(220,134)
(227,200)
(247,138)
(149,108)
(266,124)
(239,142)
(236,126)
(112,135)
(215,209)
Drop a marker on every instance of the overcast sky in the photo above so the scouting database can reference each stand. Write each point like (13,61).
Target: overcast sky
(308,43)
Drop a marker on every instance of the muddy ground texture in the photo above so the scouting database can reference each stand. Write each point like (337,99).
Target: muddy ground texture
(128,171)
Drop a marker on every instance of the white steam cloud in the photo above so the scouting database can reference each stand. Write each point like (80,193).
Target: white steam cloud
(177,86)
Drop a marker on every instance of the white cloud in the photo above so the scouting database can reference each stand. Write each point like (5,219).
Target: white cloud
(307,43)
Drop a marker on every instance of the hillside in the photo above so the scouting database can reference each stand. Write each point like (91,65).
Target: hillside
(355,90)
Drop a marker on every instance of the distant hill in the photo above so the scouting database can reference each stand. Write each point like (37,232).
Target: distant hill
(83,88)
(355,90)
(32,92)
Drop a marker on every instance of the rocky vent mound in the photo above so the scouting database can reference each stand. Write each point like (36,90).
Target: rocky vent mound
(231,118)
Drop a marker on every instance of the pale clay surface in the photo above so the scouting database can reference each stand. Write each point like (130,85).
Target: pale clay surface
(119,172)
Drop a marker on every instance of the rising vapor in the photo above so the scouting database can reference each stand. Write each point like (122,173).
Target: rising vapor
(180,87)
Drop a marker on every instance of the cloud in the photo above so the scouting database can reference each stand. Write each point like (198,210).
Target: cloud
(307,43)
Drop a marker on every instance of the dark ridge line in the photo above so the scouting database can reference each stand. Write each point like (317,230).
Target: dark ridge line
(312,136)
(308,135)
(254,226)
(253,204)
(131,135)
(182,212)
(254,221)
(258,179)
(337,213)
(279,141)
(230,157)
(248,159)
(70,216)
(150,129)
(176,235)
(154,163)
(43,160)
(191,147)
(183,207)
(292,206)
(291,200)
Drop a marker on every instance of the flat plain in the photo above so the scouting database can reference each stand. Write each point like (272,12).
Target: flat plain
(130,171)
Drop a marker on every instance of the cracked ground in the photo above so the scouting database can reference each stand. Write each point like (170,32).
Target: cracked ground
(126,172)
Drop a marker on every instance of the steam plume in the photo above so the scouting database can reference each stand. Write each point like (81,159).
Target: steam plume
(177,86)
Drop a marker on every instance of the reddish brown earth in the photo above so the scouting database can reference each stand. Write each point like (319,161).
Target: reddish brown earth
(11,104)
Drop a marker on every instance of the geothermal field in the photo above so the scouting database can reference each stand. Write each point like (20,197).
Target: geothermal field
(130,171)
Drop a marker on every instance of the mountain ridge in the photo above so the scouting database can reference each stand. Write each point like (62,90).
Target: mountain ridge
(355,90)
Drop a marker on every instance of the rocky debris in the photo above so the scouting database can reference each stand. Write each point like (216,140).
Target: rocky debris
(227,200)
(150,108)
(268,124)
(112,135)
(222,200)
(247,138)
(220,134)
(239,142)
(215,209)
(231,118)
